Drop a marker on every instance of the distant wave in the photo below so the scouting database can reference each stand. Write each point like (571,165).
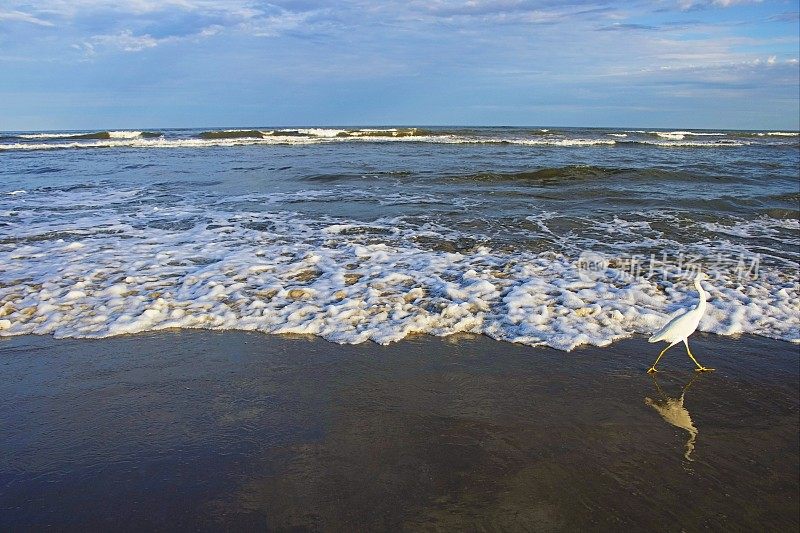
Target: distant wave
(392,132)
(718,143)
(97,135)
(232,134)
(365,132)
(680,135)
(254,137)
(552,142)
(543,132)
(117,135)
(323,133)
(550,175)
(300,136)
(44,136)
(545,174)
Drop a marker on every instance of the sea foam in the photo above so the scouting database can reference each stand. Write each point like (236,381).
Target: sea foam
(123,269)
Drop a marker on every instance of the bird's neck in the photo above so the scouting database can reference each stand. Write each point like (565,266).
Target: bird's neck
(702,293)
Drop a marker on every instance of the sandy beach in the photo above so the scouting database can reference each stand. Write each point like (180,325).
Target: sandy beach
(199,430)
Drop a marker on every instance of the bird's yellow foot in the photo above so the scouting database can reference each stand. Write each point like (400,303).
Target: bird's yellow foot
(652,370)
(704,369)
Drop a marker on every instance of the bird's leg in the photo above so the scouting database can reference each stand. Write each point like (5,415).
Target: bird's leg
(700,368)
(652,369)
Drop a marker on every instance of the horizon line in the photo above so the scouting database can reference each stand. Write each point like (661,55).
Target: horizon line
(341,126)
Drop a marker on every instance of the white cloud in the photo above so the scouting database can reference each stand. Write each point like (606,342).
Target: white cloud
(133,25)
(124,40)
(728,3)
(19,16)
(275,25)
(127,41)
(693,4)
(75,8)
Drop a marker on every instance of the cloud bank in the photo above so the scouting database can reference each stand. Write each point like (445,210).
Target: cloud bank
(726,62)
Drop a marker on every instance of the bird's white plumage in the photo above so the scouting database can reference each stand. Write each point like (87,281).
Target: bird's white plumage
(683,325)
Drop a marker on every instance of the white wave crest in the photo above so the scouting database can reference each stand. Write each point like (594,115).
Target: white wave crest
(555,142)
(50,135)
(318,132)
(679,135)
(129,140)
(123,134)
(721,143)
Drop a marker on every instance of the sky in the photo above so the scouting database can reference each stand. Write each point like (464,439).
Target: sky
(102,64)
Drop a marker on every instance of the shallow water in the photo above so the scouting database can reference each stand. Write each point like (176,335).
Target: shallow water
(357,234)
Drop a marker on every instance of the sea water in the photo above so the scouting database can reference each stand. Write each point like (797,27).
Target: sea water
(541,236)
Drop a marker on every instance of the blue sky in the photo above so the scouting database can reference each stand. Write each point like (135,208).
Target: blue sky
(191,63)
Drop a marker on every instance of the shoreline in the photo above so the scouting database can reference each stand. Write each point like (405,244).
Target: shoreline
(199,429)
(415,337)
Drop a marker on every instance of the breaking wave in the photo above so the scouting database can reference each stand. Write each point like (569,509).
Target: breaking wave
(232,134)
(551,175)
(97,135)
(115,268)
(305,136)
(680,135)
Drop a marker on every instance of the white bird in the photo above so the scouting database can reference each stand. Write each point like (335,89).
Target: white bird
(679,328)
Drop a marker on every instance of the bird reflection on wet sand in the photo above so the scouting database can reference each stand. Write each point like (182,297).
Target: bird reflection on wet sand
(673,412)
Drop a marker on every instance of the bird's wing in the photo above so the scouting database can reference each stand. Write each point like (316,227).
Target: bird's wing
(666,328)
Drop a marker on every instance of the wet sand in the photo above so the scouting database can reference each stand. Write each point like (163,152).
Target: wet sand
(197,430)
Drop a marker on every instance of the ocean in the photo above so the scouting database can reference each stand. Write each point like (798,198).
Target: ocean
(542,236)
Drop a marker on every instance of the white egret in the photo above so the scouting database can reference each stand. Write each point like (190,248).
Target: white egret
(679,328)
